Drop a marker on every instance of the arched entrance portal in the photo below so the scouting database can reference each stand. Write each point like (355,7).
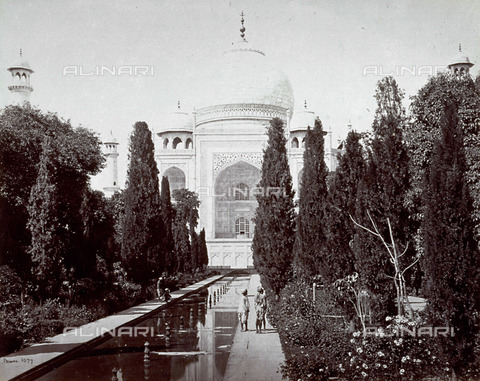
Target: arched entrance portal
(235,201)
(176,178)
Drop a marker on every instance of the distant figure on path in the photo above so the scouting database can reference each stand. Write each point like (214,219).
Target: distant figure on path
(166,295)
(260,308)
(243,309)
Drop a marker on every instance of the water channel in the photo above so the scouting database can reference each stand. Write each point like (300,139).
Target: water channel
(189,340)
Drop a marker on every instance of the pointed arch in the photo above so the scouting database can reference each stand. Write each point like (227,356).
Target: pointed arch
(234,199)
(176,178)
(176,142)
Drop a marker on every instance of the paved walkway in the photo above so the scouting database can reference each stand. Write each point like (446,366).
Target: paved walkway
(67,344)
(255,357)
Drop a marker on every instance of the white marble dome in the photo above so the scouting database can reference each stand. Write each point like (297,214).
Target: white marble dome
(244,76)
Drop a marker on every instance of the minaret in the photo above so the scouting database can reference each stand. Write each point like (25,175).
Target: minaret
(20,86)
(461,64)
(111,169)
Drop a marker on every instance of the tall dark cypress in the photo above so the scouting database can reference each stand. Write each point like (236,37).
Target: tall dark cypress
(167,216)
(341,205)
(143,229)
(310,247)
(382,193)
(275,216)
(203,252)
(451,256)
(43,224)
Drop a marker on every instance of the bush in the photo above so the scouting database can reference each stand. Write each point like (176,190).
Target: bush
(30,323)
(312,341)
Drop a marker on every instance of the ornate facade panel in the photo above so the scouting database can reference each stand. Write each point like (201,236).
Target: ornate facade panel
(223,160)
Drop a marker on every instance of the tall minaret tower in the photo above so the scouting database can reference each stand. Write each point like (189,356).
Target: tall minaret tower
(20,86)
(111,169)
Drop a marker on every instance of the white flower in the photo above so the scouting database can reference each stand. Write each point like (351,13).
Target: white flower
(402,371)
(365,366)
(364,374)
(384,366)
(356,334)
(359,350)
(380,354)
(388,318)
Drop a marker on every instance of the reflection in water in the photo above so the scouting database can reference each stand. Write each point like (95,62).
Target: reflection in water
(187,341)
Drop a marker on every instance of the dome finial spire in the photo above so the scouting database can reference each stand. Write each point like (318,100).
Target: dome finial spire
(178,105)
(242,29)
(305,104)
(20,52)
(459,47)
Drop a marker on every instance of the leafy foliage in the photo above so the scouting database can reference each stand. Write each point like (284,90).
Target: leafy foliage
(77,155)
(428,109)
(274,218)
(185,222)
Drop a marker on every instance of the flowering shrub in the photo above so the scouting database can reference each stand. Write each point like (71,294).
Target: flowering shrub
(394,353)
(318,347)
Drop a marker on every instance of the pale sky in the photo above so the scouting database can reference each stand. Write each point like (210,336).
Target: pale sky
(329,49)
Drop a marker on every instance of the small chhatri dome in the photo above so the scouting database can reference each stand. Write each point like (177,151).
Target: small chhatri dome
(177,121)
(460,61)
(110,139)
(21,63)
(303,119)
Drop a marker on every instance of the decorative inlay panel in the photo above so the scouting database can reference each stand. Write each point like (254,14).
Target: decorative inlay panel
(222,160)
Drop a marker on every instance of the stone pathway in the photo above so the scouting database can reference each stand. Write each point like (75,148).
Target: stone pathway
(255,357)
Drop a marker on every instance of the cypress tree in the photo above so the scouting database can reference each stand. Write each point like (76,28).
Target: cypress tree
(451,256)
(167,216)
(203,252)
(341,205)
(142,223)
(382,193)
(310,246)
(43,224)
(275,216)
